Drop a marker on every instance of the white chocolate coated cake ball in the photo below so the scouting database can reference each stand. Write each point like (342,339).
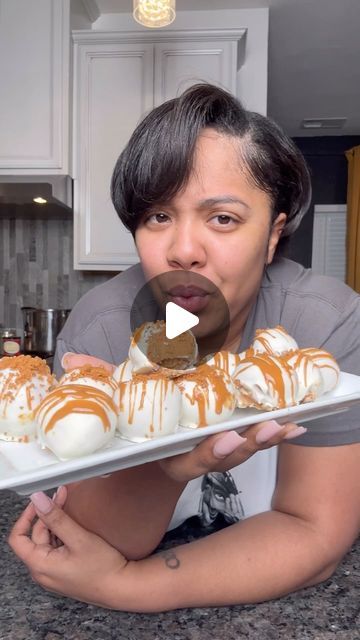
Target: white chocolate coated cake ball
(149,407)
(207,397)
(91,376)
(76,420)
(275,341)
(265,382)
(24,382)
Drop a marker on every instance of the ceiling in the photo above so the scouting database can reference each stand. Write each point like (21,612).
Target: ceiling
(314,58)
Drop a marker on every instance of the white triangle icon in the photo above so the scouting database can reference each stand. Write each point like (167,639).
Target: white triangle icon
(178,320)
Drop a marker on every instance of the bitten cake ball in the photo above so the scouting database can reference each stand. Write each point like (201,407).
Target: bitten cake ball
(150,350)
(24,381)
(75,420)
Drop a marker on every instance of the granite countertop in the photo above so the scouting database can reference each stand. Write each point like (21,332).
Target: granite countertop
(329,611)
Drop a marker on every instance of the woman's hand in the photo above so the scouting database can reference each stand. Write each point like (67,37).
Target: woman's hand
(82,566)
(224,451)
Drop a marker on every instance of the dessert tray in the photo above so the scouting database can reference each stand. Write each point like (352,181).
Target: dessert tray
(25,467)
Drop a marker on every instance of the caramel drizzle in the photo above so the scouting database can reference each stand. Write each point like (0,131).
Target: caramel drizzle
(298,360)
(122,370)
(138,392)
(273,368)
(222,360)
(266,336)
(318,355)
(207,379)
(75,398)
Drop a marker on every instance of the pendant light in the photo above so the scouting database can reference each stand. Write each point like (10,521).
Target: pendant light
(154,13)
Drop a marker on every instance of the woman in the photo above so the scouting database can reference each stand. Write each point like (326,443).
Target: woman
(208,187)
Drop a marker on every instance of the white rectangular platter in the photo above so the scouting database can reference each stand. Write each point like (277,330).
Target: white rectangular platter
(25,468)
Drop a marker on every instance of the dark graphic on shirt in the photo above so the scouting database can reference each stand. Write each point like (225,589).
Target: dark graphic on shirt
(219,495)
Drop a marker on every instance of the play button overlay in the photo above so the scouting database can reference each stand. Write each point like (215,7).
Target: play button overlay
(178,320)
(185,301)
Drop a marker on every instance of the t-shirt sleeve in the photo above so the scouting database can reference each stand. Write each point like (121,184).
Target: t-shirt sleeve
(343,342)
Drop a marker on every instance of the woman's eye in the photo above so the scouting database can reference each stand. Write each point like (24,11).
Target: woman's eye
(157,218)
(224,220)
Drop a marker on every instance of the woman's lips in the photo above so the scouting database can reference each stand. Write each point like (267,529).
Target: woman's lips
(187,290)
(192,303)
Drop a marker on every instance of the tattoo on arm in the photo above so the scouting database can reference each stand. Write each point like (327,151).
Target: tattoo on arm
(171,560)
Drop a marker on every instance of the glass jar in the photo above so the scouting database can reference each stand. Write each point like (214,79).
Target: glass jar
(10,342)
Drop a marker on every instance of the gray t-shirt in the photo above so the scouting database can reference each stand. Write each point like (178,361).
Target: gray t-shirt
(316,310)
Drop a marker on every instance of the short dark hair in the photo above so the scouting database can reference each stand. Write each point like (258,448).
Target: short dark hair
(157,161)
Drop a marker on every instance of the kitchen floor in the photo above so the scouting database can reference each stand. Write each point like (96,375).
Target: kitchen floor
(329,611)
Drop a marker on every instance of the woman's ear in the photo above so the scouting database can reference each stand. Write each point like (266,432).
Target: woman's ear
(275,235)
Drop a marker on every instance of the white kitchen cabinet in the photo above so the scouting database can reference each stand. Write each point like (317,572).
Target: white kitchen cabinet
(34,80)
(118,78)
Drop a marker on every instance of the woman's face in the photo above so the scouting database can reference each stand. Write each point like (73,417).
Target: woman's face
(218,226)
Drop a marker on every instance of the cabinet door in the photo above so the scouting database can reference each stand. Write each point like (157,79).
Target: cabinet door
(113,89)
(180,64)
(34,80)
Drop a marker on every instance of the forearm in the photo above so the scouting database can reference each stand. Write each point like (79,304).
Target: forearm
(261,558)
(130,509)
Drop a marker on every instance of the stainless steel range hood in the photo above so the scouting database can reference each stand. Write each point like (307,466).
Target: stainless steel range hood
(36,196)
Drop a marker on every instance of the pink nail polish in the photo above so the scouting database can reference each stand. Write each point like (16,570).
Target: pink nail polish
(41,502)
(295,433)
(227,444)
(64,359)
(271,429)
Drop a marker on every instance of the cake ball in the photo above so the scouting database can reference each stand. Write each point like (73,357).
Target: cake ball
(75,420)
(150,350)
(226,361)
(149,407)
(265,382)
(274,341)
(91,376)
(308,374)
(24,381)
(207,397)
(328,368)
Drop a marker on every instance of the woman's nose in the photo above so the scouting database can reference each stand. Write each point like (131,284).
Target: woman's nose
(186,249)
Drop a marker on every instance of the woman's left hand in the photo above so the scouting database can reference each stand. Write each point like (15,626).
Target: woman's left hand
(223,451)
(82,567)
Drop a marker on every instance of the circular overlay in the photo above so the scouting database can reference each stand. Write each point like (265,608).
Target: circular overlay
(193,293)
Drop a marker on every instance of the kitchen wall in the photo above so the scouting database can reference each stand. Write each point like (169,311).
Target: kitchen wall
(36,258)
(325,156)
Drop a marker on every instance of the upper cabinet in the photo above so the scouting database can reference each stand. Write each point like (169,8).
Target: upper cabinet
(118,78)
(34,80)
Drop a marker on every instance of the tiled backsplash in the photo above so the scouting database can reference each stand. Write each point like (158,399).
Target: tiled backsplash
(36,258)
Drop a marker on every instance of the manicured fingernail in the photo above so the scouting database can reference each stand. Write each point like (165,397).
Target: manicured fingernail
(295,433)
(268,431)
(64,359)
(41,502)
(227,444)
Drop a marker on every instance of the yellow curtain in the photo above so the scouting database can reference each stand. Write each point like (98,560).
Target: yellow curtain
(353,219)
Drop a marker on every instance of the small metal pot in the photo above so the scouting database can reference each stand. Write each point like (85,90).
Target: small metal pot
(41,326)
